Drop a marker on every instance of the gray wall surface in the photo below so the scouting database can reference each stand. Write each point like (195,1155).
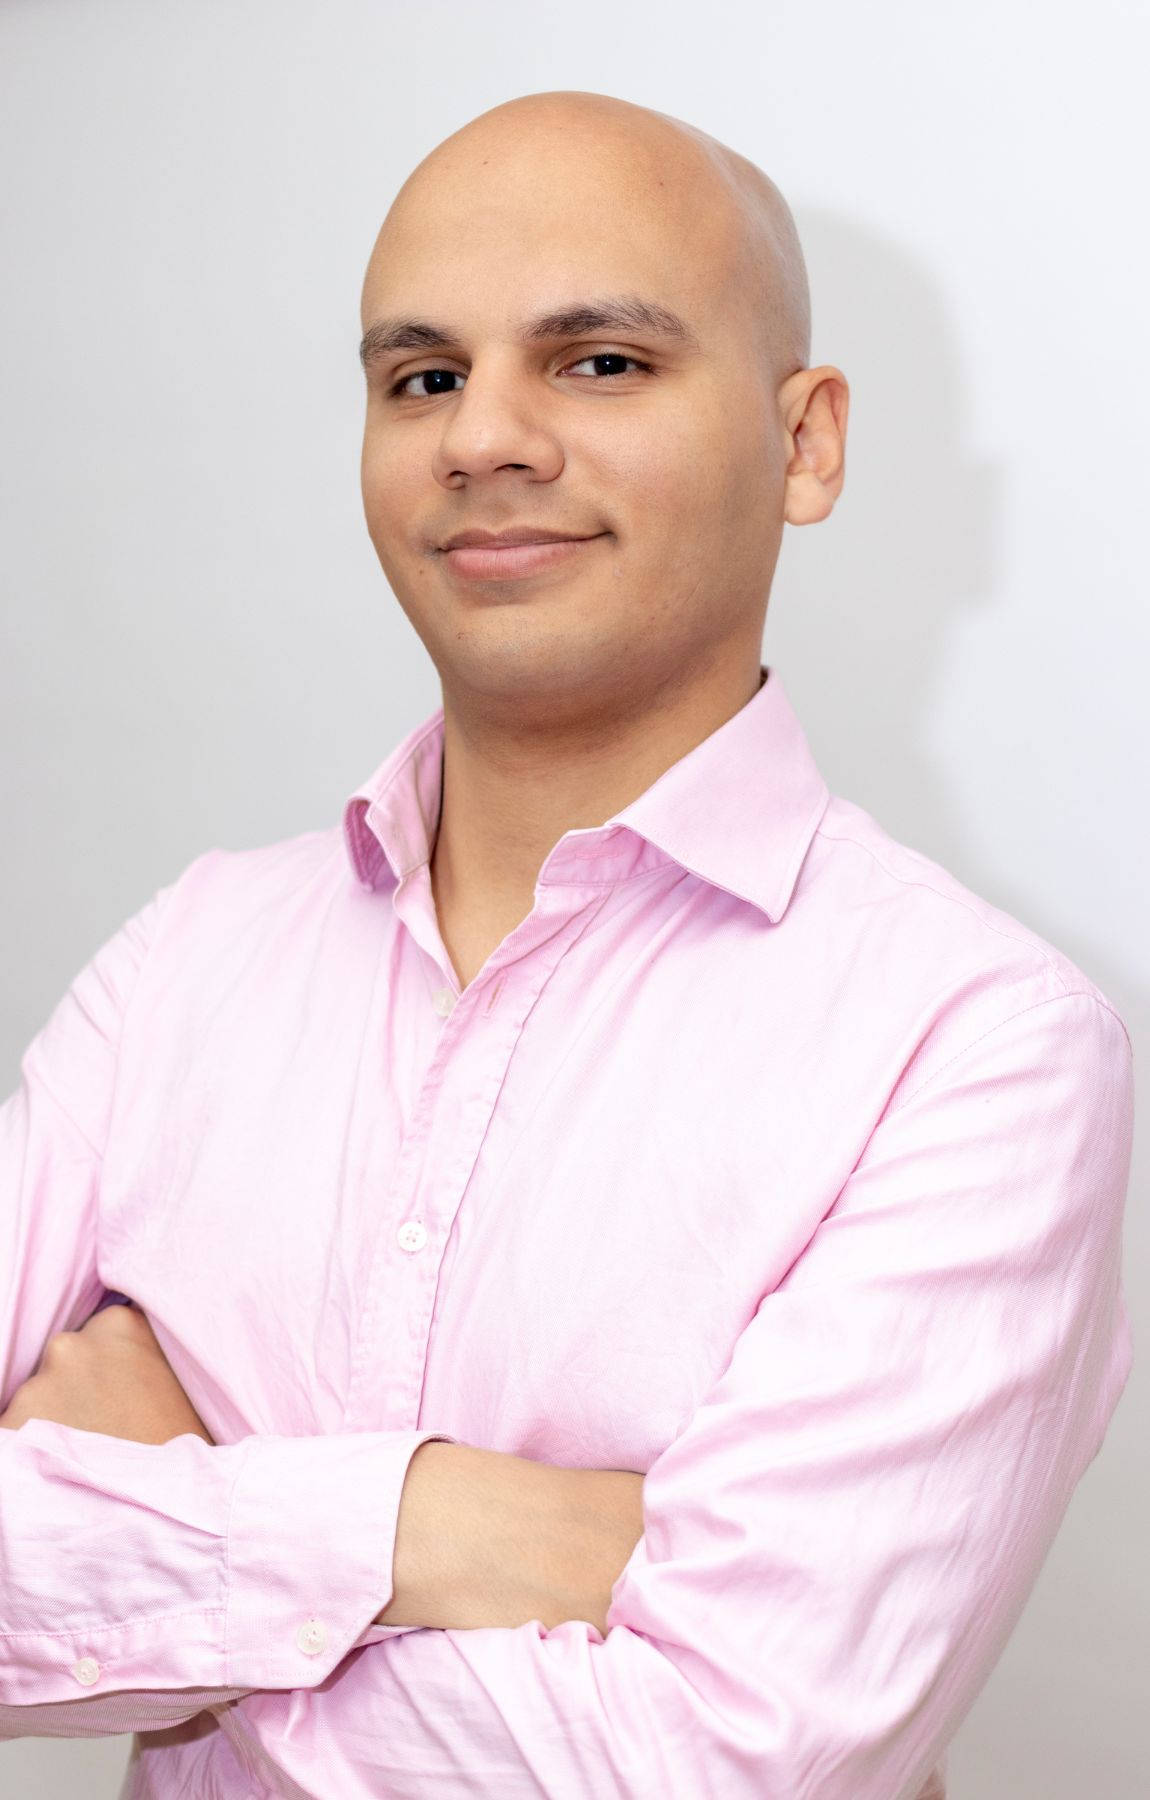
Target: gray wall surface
(198,647)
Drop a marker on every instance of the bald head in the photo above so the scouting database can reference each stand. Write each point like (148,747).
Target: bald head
(588,323)
(724,211)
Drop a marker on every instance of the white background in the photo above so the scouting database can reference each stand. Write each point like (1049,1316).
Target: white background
(199,649)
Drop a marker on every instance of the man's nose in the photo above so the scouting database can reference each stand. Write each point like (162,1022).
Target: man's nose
(497,422)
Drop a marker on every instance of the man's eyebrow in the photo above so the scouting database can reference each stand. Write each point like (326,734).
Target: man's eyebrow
(400,334)
(580,319)
(627,313)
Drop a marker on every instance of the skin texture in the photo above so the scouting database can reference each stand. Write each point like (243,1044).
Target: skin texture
(489,1539)
(570,688)
(567,694)
(110,1376)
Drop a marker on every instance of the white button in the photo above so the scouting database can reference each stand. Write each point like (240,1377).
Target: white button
(311,1637)
(86,1671)
(411,1235)
(443,1000)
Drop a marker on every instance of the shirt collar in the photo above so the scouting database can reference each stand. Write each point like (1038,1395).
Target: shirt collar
(739,810)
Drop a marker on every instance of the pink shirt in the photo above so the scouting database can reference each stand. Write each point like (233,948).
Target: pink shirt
(762,1158)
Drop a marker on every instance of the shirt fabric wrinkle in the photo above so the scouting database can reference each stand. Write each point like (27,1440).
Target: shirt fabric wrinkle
(790,1177)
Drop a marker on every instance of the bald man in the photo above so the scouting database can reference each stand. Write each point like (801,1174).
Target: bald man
(624,1254)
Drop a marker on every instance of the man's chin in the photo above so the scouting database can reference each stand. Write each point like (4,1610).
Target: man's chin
(544,665)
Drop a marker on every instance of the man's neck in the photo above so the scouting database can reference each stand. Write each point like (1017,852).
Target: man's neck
(508,797)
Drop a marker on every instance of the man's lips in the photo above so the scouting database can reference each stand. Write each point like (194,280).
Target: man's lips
(504,555)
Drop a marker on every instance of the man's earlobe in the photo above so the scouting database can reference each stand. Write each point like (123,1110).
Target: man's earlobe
(815,404)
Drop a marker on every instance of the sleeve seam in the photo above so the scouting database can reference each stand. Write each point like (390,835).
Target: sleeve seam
(1050,1000)
(46,1087)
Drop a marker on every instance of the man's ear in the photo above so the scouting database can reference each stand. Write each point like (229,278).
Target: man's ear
(813,404)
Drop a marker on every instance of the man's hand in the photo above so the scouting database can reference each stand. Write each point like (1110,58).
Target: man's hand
(110,1376)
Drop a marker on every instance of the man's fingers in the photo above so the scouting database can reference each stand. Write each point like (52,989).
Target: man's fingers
(118,1324)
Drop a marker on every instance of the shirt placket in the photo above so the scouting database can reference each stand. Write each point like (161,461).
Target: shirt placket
(457,1098)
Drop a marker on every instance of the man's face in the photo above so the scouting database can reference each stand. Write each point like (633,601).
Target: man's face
(599,372)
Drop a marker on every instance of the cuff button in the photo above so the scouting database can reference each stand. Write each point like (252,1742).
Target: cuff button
(86,1671)
(311,1637)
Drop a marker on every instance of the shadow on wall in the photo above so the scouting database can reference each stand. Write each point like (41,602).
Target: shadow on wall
(859,626)
(859,617)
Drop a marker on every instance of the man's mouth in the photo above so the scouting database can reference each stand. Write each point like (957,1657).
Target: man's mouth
(479,555)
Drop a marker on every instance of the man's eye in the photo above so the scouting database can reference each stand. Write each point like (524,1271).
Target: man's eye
(434,381)
(608,362)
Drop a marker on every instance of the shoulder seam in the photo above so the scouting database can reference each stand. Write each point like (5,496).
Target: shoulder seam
(1022,936)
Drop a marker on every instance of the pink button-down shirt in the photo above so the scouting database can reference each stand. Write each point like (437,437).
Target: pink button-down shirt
(762,1158)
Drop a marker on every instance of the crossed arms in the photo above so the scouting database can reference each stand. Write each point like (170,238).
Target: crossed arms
(833,1550)
(483,1539)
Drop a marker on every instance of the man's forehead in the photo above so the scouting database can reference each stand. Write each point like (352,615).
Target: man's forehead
(538,252)
(552,182)
(557,198)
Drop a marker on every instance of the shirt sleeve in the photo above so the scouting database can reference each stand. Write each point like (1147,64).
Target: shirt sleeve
(140,1583)
(839,1544)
